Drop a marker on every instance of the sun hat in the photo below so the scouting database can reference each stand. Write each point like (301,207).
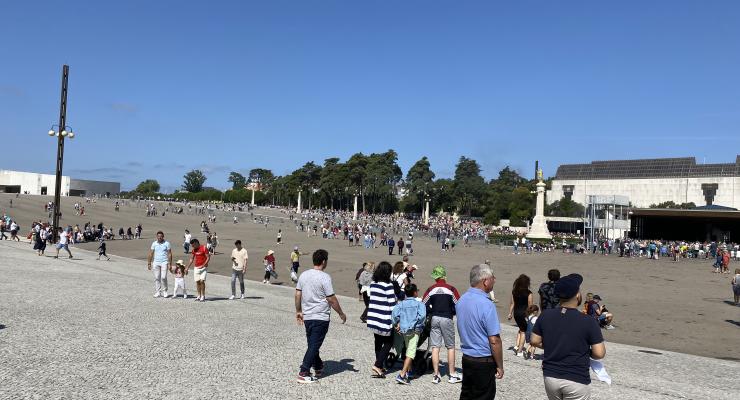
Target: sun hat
(439,272)
(180,262)
(270,252)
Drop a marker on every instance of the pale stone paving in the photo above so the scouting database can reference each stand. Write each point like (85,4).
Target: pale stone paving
(91,329)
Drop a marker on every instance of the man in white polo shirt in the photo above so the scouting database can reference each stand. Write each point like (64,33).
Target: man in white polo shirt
(160,255)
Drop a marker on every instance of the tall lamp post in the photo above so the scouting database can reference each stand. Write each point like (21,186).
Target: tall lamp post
(63,131)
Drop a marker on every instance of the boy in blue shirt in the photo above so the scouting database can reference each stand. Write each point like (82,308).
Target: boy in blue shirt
(408,317)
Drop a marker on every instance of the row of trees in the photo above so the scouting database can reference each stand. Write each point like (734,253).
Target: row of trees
(378,182)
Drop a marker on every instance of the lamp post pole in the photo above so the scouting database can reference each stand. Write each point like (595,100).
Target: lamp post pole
(60,153)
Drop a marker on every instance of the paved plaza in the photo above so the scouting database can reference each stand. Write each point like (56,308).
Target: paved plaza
(91,329)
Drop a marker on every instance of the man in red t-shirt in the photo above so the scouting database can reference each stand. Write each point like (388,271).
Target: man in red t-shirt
(199,258)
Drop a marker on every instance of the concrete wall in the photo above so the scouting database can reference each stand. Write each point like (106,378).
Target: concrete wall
(32,183)
(644,192)
(91,188)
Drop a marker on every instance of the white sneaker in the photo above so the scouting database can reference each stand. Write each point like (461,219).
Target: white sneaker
(455,379)
(156,294)
(231,297)
(184,296)
(165,295)
(242,296)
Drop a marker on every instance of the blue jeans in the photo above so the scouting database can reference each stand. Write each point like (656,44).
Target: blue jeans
(315,333)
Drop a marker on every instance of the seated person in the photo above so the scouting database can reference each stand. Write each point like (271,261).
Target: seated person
(600,312)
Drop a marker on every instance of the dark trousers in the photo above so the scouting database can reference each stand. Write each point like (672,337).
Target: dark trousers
(479,378)
(366,300)
(390,250)
(315,334)
(383,346)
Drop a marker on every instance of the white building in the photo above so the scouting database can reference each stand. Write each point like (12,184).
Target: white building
(44,184)
(650,181)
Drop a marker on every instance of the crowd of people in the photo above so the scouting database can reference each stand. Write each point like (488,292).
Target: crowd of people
(400,319)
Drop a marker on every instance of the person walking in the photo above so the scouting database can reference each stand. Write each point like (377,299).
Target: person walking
(440,300)
(364,281)
(314,299)
(160,258)
(391,245)
(382,299)
(548,298)
(569,339)
(239,258)
(199,258)
(63,241)
(480,337)
(521,299)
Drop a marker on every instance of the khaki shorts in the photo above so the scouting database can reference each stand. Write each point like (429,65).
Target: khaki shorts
(199,274)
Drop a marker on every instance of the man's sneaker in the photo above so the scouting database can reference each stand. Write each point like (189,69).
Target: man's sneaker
(610,327)
(156,294)
(436,379)
(525,354)
(318,372)
(454,379)
(403,380)
(242,296)
(306,379)
(184,296)
(165,295)
(231,297)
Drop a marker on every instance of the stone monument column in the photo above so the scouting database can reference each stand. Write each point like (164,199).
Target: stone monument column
(298,209)
(354,213)
(539,230)
(252,195)
(426,213)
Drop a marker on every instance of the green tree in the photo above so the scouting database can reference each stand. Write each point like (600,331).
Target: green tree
(194,181)
(565,208)
(238,181)
(470,187)
(356,166)
(148,186)
(521,207)
(419,182)
(500,194)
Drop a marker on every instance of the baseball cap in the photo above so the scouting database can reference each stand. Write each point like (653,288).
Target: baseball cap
(597,297)
(568,286)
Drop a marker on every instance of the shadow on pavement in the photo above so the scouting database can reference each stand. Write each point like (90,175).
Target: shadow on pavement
(335,367)
(2,326)
(733,322)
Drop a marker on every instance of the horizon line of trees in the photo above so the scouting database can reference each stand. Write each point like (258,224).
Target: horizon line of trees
(380,186)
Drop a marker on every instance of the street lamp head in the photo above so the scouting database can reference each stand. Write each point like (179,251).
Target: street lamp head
(64,133)
(51,132)
(71,134)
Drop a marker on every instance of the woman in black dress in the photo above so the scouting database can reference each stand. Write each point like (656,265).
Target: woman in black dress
(521,298)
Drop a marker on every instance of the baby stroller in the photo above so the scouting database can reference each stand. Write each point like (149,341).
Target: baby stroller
(423,360)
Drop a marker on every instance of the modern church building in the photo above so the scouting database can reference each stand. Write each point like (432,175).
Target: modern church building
(652,181)
(714,189)
(44,184)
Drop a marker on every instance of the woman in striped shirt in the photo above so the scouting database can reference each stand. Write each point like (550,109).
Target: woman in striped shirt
(382,300)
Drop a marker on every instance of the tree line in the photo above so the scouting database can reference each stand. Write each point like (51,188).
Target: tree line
(380,187)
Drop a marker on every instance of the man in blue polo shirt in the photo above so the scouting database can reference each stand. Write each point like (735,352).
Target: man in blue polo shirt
(569,339)
(479,329)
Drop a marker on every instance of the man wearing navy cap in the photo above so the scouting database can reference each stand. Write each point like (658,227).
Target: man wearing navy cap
(569,339)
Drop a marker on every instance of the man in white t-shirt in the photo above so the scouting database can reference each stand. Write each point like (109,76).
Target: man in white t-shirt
(63,242)
(239,258)
(160,257)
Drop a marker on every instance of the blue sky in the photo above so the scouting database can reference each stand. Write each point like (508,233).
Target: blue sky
(160,87)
